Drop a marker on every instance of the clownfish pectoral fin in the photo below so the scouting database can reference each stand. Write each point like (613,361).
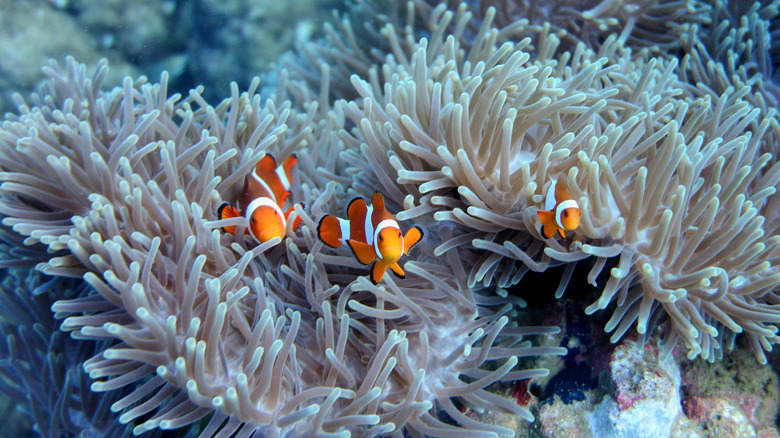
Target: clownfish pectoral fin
(266,164)
(545,216)
(562,233)
(227,211)
(378,201)
(396,268)
(411,238)
(377,272)
(363,251)
(329,230)
(357,209)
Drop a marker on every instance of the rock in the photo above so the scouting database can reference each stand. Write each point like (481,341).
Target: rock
(731,397)
(646,399)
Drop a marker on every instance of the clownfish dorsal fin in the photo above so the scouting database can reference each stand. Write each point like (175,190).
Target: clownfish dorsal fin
(378,201)
(283,198)
(363,252)
(357,209)
(411,238)
(266,164)
(562,192)
(288,165)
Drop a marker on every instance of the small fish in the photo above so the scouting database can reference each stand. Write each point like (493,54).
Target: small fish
(372,233)
(562,212)
(265,191)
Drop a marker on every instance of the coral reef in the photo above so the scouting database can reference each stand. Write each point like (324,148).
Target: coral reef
(647,400)
(734,384)
(643,394)
(199,42)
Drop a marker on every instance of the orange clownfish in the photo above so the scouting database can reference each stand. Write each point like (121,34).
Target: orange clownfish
(265,191)
(372,233)
(562,212)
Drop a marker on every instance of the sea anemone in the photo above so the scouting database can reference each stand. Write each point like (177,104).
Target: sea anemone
(277,339)
(672,178)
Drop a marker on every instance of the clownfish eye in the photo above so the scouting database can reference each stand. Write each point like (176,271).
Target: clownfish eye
(565,213)
(253,220)
(381,238)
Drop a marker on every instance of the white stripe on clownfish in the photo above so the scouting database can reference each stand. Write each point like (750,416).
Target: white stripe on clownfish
(368,227)
(345,229)
(263,201)
(282,174)
(387,223)
(569,203)
(265,185)
(550,201)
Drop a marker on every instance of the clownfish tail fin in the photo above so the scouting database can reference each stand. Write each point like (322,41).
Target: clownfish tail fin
(297,222)
(227,211)
(357,208)
(329,230)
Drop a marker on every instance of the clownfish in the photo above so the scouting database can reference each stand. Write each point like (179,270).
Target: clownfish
(265,191)
(562,212)
(372,233)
